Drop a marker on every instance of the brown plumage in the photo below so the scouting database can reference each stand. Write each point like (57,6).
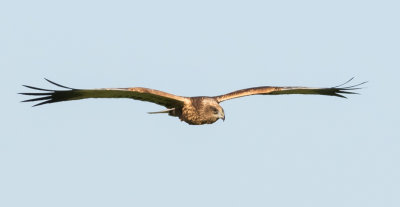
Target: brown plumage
(193,110)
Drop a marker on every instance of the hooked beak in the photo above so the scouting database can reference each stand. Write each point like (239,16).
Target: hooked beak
(222,116)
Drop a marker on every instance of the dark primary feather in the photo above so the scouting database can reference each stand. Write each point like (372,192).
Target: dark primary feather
(143,94)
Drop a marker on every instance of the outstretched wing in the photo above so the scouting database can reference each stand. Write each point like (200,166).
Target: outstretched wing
(137,93)
(338,91)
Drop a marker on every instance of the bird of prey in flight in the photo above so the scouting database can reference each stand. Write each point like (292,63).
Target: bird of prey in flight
(192,110)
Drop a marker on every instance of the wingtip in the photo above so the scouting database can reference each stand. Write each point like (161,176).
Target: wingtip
(345,82)
(39,104)
(49,81)
(340,96)
(59,85)
(24,101)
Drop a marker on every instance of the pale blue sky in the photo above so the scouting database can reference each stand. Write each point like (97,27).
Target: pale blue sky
(270,151)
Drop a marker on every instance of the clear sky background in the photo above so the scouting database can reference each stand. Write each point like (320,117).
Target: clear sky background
(270,151)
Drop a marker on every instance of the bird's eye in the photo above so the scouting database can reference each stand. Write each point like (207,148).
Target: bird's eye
(215,110)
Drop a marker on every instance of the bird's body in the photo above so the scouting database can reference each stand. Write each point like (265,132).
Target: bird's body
(201,110)
(192,110)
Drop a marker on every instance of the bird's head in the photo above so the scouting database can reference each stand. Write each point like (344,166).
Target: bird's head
(215,112)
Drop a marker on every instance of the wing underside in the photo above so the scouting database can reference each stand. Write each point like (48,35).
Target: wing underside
(46,96)
(339,91)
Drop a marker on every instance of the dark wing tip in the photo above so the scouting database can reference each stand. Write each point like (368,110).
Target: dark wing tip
(49,96)
(59,85)
(339,90)
(35,88)
(339,95)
